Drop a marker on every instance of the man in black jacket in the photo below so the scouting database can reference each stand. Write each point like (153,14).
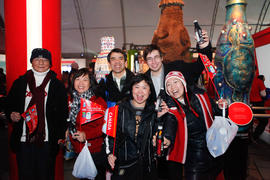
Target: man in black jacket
(158,70)
(115,87)
(40,90)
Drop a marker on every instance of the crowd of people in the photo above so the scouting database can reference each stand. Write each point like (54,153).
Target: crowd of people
(185,112)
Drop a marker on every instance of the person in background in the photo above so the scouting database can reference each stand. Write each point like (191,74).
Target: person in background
(136,125)
(69,151)
(3,92)
(92,68)
(64,79)
(257,95)
(116,85)
(194,112)
(74,66)
(84,86)
(70,88)
(36,152)
(3,81)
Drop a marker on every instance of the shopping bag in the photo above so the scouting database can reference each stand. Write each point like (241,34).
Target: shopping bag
(84,166)
(220,135)
(69,151)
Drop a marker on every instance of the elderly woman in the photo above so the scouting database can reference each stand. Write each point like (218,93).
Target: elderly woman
(136,124)
(83,86)
(194,112)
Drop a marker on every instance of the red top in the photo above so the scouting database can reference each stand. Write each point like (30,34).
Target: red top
(256,88)
(92,130)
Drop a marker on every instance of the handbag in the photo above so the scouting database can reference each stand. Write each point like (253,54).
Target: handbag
(84,166)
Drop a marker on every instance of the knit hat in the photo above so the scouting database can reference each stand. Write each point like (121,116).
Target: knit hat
(178,75)
(41,53)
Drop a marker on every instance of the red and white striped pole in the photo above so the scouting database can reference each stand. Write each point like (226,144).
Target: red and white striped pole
(31,24)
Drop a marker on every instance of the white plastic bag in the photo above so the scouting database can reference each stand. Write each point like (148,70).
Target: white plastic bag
(220,135)
(84,166)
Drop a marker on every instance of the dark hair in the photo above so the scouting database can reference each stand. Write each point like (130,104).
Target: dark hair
(261,77)
(151,48)
(142,77)
(93,82)
(92,65)
(116,50)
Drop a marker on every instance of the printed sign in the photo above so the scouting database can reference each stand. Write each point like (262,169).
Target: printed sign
(90,111)
(240,113)
(31,118)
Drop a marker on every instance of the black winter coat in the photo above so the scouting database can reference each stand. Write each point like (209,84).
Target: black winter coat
(110,91)
(127,148)
(56,111)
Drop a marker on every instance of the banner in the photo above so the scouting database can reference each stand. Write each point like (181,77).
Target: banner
(90,111)
(210,68)
(31,118)
(211,71)
(109,127)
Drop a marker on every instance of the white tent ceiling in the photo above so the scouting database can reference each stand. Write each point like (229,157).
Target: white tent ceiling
(98,18)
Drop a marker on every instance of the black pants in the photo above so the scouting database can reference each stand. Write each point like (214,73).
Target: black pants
(100,161)
(235,159)
(175,170)
(262,121)
(35,162)
(135,172)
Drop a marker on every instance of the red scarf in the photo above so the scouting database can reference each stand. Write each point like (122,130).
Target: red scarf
(38,98)
(178,151)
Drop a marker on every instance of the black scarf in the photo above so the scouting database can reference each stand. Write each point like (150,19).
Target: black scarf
(76,104)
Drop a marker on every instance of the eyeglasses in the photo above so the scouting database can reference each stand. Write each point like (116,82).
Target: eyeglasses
(157,57)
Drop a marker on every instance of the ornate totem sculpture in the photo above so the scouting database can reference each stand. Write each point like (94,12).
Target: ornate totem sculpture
(171,35)
(235,55)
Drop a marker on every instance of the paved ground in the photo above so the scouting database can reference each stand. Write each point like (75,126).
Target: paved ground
(259,160)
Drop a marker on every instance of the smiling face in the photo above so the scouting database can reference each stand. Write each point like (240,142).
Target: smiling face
(154,61)
(140,93)
(41,64)
(82,83)
(117,62)
(175,88)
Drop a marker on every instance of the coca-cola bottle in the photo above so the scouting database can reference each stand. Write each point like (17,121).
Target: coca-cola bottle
(198,32)
(159,141)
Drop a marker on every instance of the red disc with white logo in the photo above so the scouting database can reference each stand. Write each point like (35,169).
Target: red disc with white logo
(240,113)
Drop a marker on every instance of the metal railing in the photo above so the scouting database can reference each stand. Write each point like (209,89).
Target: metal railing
(261,108)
